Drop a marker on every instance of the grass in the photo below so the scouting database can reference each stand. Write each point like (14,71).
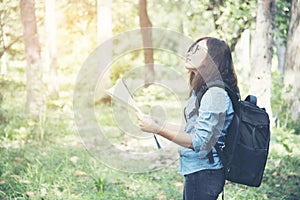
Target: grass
(64,170)
(58,166)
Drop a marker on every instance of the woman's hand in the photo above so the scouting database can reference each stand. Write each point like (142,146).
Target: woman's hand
(149,124)
(160,127)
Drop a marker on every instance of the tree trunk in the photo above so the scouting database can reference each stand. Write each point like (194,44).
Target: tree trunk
(104,34)
(4,41)
(292,72)
(242,54)
(51,50)
(35,105)
(280,51)
(146,30)
(104,21)
(262,52)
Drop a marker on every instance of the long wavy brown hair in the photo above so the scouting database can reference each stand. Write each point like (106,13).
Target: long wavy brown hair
(217,66)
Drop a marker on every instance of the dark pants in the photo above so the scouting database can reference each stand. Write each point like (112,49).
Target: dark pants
(203,185)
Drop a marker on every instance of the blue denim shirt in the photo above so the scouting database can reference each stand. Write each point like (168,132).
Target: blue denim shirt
(214,116)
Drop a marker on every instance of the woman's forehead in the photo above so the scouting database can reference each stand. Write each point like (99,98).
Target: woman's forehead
(196,54)
(203,44)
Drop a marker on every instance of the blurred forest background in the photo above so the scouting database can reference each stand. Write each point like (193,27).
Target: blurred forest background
(43,45)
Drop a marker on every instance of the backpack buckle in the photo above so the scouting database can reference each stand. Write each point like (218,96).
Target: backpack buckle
(222,146)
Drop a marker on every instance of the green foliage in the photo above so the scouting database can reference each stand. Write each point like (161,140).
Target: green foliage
(284,164)
(105,117)
(224,19)
(125,15)
(285,137)
(15,125)
(152,93)
(281,107)
(124,64)
(232,18)
(188,17)
(9,84)
(283,14)
(9,15)
(284,176)
(76,33)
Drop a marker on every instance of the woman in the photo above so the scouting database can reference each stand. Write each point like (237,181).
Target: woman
(208,61)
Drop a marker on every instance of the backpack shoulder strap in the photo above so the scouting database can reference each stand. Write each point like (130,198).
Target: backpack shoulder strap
(204,89)
(234,98)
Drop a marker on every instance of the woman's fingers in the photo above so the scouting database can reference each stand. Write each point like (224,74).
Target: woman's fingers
(149,124)
(146,123)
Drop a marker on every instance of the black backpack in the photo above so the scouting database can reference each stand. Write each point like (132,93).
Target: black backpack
(245,153)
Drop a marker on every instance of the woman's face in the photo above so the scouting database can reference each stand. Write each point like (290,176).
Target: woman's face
(196,55)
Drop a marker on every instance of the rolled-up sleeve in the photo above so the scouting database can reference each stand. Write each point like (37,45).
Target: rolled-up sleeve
(210,120)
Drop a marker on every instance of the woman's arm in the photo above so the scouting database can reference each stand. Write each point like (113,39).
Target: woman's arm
(208,125)
(172,132)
